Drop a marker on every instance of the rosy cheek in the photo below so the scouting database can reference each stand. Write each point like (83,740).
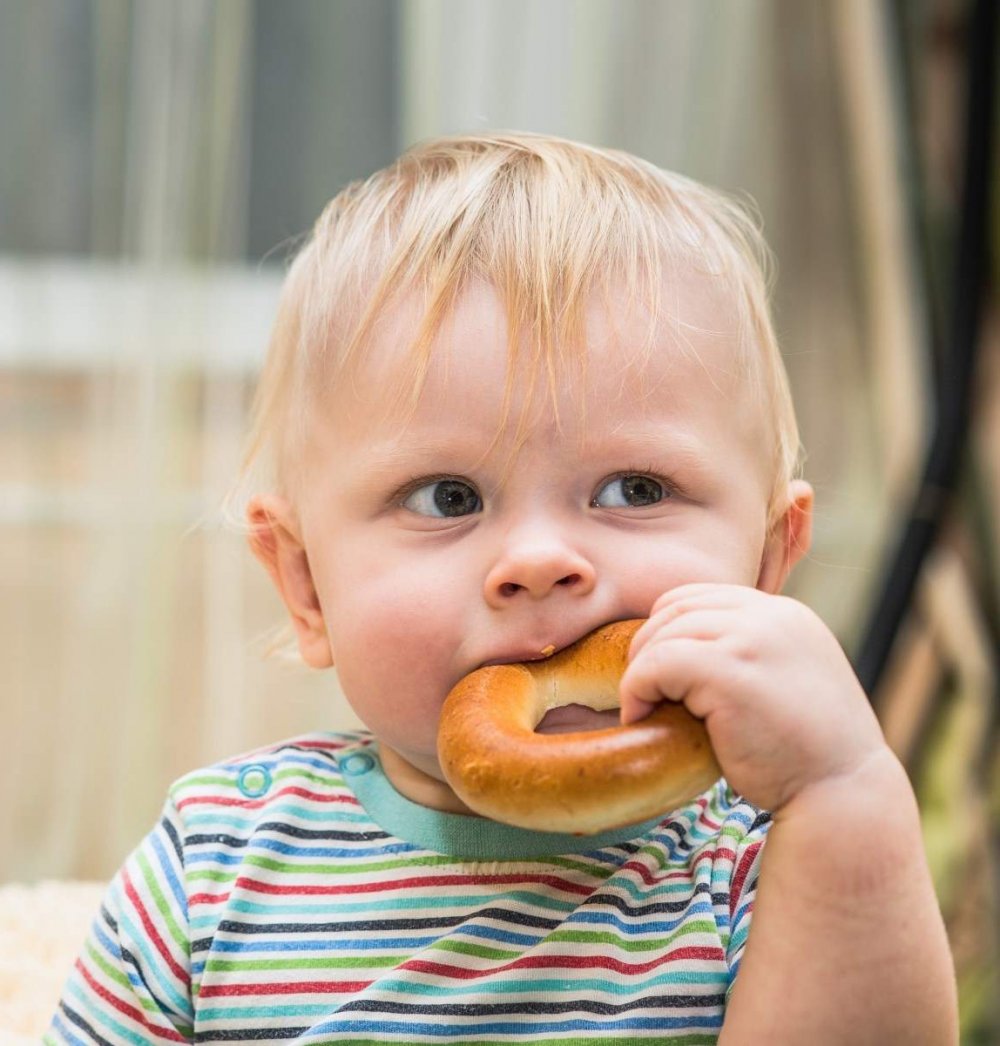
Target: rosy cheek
(644,578)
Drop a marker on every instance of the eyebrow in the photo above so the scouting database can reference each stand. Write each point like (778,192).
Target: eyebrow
(658,439)
(390,457)
(671,448)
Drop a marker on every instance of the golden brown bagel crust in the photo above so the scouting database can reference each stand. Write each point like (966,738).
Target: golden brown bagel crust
(582,782)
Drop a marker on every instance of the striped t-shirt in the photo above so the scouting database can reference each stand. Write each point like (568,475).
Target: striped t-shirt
(293,894)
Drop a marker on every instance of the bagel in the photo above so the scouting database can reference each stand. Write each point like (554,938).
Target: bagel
(582,782)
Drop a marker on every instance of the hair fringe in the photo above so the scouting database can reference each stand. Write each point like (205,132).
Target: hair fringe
(548,222)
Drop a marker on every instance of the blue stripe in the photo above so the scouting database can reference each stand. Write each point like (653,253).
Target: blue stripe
(333,943)
(500,935)
(522,1029)
(231,1013)
(561,985)
(643,928)
(400,903)
(103,1019)
(293,811)
(151,965)
(166,865)
(360,853)
(64,1029)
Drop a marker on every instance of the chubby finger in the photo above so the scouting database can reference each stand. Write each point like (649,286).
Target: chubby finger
(684,600)
(689,620)
(721,593)
(665,671)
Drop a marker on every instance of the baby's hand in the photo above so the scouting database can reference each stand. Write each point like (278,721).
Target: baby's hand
(781,703)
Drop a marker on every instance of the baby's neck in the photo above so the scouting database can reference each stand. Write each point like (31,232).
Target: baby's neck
(417,786)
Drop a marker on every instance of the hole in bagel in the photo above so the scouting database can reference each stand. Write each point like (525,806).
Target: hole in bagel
(574,718)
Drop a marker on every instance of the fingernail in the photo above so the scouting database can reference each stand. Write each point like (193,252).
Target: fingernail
(635,711)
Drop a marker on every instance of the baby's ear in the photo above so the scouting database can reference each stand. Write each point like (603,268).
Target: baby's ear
(789,538)
(275,539)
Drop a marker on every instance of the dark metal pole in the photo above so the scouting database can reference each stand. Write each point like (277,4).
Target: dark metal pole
(954,391)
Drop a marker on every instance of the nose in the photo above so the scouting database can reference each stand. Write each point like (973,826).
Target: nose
(534,565)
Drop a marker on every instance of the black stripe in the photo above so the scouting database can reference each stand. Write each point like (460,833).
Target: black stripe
(312,833)
(88,1029)
(250,1035)
(641,911)
(444,922)
(348,929)
(175,839)
(536,1008)
(507,916)
(109,920)
(760,820)
(323,753)
(516,917)
(625,848)
(129,959)
(217,839)
(236,843)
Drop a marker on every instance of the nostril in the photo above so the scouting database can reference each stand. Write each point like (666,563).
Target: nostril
(508,588)
(569,579)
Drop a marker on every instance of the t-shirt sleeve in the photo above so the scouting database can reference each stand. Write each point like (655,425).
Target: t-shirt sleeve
(131,982)
(735,871)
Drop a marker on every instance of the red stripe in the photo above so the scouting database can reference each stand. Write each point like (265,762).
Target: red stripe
(328,746)
(171,1034)
(703,817)
(151,931)
(325,744)
(208,898)
(654,876)
(283,988)
(740,876)
(435,881)
(579,962)
(255,804)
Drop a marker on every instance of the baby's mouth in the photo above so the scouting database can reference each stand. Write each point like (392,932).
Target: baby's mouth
(522,657)
(569,719)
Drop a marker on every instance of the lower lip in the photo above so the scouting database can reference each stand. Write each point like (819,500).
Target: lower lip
(516,660)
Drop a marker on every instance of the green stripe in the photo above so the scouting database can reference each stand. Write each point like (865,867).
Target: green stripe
(352,867)
(209,874)
(647,944)
(106,968)
(480,951)
(162,906)
(348,867)
(228,779)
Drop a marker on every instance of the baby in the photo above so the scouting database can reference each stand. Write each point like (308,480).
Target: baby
(519,388)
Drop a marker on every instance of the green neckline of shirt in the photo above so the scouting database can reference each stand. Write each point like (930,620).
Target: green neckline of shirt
(461,835)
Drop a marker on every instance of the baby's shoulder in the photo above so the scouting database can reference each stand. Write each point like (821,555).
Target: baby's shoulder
(302,769)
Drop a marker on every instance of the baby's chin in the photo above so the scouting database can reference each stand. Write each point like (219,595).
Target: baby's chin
(574,718)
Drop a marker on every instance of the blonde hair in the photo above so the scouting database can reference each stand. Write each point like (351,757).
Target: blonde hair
(547,223)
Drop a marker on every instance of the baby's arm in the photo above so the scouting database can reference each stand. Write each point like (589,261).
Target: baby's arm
(847,943)
(131,982)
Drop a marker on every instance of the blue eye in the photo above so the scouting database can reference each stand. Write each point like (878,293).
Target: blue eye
(444,499)
(630,491)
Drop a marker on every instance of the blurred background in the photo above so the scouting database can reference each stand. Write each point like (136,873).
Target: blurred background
(158,163)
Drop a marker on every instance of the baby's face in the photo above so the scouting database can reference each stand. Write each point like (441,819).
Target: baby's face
(435,547)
